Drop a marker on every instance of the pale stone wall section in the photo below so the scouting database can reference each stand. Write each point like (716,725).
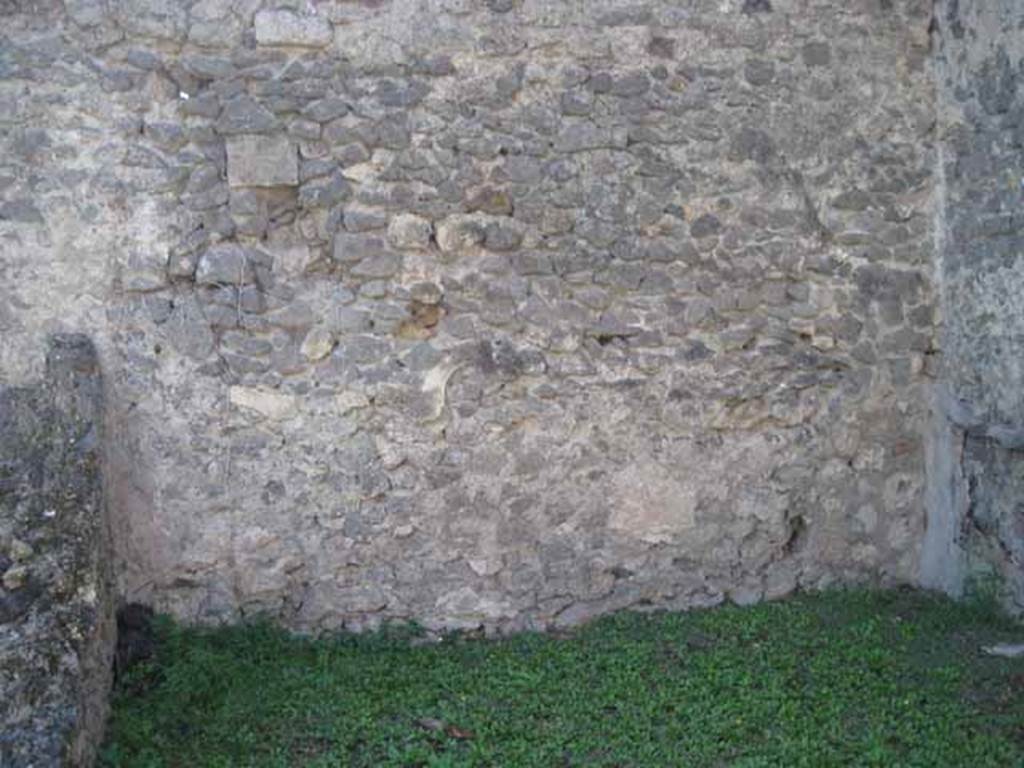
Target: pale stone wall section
(975,537)
(507,312)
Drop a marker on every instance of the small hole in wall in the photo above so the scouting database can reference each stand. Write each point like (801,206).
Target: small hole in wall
(797,536)
(157,349)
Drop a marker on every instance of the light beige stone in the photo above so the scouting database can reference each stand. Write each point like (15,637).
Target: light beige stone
(350,401)
(318,344)
(15,577)
(650,505)
(409,232)
(271,404)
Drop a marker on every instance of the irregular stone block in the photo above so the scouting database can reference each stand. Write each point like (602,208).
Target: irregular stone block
(349,320)
(502,236)
(381,265)
(351,248)
(269,403)
(651,505)
(318,344)
(459,233)
(409,231)
(20,211)
(325,110)
(288,28)
(324,193)
(465,608)
(349,401)
(226,264)
(244,115)
(426,293)
(294,317)
(144,272)
(262,161)
(490,200)
(581,137)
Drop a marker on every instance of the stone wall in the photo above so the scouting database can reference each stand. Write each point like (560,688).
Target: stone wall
(977,531)
(56,596)
(500,312)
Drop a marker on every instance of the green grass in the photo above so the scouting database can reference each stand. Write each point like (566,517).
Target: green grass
(840,678)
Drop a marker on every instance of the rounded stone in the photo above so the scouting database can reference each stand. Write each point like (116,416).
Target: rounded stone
(410,232)
(15,577)
(318,344)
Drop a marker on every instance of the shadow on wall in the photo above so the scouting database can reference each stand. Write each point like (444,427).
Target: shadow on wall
(56,601)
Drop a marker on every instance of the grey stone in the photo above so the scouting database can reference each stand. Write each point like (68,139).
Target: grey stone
(292,29)
(490,200)
(243,114)
(227,264)
(144,272)
(662,47)
(262,161)
(631,84)
(325,110)
(816,54)
(207,67)
(324,193)
(502,236)
(304,129)
(206,105)
(458,233)
(364,220)
(350,248)
(759,72)
(633,15)
(705,226)
(20,211)
(581,137)
(752,144)
(426,293)
(410,232)
(296,316)
(1005,650)
(377,266)
(315,169)
(348,320)
(166,135)
(851,200)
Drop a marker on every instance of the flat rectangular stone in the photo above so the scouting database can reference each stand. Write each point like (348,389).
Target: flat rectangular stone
(269,403)
(262,161)
(287,28)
